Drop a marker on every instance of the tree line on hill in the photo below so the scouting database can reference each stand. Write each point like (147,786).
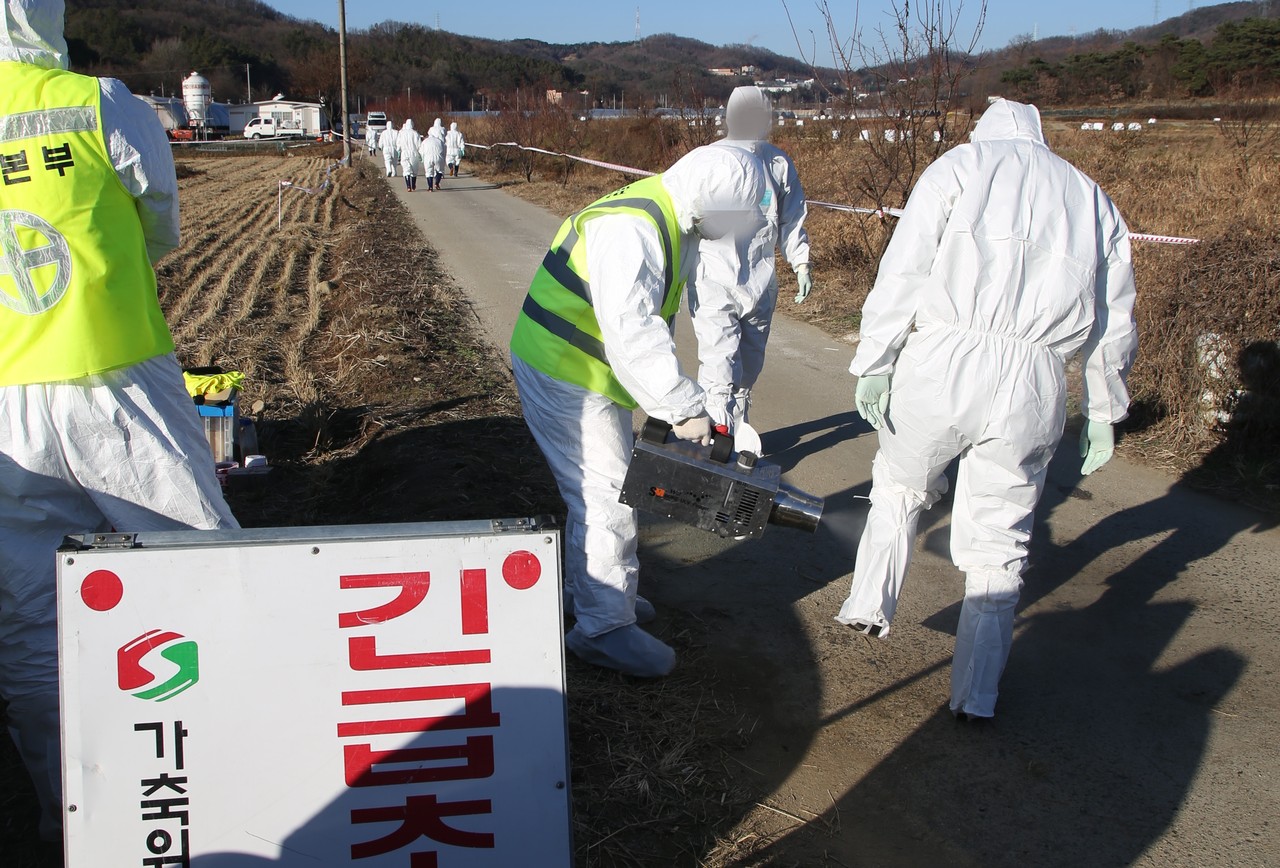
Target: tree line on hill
(1241,58)
(250,51)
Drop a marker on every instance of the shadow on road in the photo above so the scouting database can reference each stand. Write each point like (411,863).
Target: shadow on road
(1098,738)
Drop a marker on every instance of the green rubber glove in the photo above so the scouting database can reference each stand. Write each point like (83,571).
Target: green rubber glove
(872,399)
(1097,445)
(805,282)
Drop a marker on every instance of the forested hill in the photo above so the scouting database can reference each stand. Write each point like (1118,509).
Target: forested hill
(1230,50)
(152,44)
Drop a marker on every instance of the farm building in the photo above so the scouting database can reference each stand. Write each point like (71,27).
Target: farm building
(308,116)
(169,109)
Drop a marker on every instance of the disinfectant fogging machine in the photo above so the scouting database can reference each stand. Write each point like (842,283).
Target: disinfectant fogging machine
(732,494)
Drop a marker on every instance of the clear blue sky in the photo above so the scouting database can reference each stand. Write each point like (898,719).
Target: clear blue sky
(760,22)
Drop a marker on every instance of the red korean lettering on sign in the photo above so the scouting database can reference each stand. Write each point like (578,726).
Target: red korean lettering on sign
(419,810)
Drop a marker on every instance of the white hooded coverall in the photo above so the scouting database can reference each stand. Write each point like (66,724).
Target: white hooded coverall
(432,155)
(586,437)
(371,138)
(408,143)
(734,294)
(387,141)
(455,144)
(121,450)
(1006,262)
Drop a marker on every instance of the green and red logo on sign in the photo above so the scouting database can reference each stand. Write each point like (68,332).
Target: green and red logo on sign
(102,591)
(134,659)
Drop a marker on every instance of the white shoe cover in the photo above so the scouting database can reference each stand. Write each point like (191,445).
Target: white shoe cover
(629,650)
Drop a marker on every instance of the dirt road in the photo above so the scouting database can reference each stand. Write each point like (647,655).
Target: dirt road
(1139,714)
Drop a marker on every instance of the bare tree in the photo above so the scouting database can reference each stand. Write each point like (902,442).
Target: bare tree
(1248,124)
(899,89)
(696,113)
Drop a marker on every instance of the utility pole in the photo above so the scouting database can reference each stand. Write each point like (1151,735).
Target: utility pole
(248,85)
(342,72)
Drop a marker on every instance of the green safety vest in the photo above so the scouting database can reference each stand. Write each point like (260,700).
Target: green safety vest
(557,331)
(77,290)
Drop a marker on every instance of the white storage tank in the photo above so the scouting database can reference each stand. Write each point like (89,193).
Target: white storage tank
(196,96)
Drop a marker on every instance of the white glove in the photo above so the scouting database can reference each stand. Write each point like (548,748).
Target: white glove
(1097,445)
(696,429)
(804,280)
(872,399)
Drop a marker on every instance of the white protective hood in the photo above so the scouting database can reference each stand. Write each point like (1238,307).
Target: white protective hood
(716,180)
(1009,120)
(33,33)
(748,116)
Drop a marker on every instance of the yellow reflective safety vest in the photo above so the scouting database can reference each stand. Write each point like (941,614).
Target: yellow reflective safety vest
(77,291)
(557,331)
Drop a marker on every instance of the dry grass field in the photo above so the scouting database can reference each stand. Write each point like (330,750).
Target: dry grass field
(1207,381)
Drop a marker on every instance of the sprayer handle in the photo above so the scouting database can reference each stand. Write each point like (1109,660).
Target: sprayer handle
(656,430)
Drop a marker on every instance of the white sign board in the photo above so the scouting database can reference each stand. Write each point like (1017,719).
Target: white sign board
(378,697)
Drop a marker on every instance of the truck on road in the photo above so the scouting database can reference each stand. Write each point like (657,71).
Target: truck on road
(270,128)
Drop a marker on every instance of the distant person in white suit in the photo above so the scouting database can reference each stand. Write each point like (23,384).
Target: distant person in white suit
(455,149)
(387,142)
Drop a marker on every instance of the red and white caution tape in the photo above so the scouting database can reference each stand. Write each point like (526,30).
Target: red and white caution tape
(854,209)
(628,170)
(850,209)
(1162,239)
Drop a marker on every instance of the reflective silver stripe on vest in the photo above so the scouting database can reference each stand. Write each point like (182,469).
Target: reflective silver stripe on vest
(556,262)
(563,329)
(48,122)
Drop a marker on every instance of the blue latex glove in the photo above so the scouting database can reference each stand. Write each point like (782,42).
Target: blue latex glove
(805,282)
(1097,445)
(872,399)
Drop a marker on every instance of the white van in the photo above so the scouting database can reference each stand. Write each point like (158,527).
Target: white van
(268,128)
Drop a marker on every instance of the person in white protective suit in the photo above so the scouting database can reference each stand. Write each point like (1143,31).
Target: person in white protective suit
(1007,261)
(735,292)
(593,342)
(433,158)
(437,132)
(408,145)
(455,149)
(387,140)
(371,138)
(97,431)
